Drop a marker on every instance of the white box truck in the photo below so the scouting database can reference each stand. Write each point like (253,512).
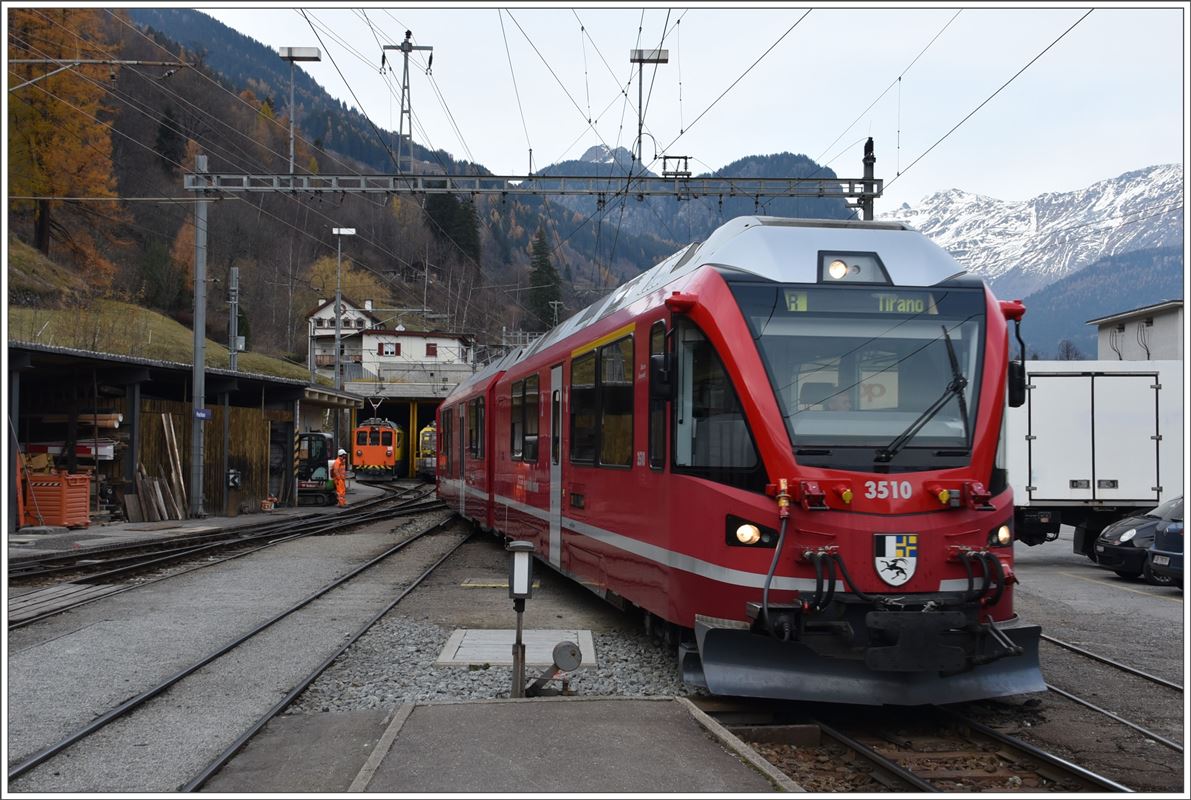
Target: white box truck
(1095,441)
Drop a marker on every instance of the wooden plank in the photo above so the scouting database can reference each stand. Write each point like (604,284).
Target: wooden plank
(148,507)
(175,458)
(159,498)
(132,508)
(171,502)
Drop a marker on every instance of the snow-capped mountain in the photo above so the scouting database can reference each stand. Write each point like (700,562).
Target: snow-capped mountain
(1020,247)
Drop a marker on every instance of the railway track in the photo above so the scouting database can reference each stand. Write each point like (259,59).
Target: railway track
(135,553)
(920,749)
(1175,690)
(30,607)
(225,656)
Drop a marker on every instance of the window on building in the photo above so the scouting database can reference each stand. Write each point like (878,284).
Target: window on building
(431,349)
(583,409)
(517,421)
(475,428)
(657,408)
(389,349)
(711,437)
(318,322)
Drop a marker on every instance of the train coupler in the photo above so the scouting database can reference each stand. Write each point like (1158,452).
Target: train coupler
(787,621)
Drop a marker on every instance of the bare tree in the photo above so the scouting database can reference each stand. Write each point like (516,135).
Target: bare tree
(1069,352)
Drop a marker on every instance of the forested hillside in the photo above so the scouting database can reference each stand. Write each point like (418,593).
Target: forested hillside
(1110,285)
(130,133)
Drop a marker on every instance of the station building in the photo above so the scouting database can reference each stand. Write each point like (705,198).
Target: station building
(402,374)
(116,418)
(1149,333)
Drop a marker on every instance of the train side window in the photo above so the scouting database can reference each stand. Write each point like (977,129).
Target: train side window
(517,421)
(475,428)
(480,428)
(555,423)
(361,437)
(657,408)
(386,438)
(616,403)
(446,438)
(530,452)
(711,437)
(583,409)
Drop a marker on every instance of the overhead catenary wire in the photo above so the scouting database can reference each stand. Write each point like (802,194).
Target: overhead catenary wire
(895,82)
(240,100)
(990,97)
(261,210)
(391,157)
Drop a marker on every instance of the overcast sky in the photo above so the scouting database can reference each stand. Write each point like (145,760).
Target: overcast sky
(1109,97)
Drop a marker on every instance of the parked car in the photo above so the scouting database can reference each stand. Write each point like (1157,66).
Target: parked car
(1165,556)
(1122,546)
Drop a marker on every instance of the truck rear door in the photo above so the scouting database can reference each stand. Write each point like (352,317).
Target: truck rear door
(1125,427)
(1093,436)
(1060,437)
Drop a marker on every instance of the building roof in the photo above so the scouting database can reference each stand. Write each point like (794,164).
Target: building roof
(346,301)
(1144,311)
(463,337)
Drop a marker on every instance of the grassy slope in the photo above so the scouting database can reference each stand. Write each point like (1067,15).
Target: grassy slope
(31,275)
(49,305)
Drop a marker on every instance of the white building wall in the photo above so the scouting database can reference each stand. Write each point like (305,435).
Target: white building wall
(1164,338)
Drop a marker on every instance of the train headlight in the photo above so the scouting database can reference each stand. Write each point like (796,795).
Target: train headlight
(748,534)
(740,532)
(1001,536)
(359,453)
(388,451)
(852,267)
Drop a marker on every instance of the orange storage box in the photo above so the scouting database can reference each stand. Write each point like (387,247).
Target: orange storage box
(58,498)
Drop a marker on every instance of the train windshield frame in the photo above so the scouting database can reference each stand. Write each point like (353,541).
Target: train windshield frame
(855,367)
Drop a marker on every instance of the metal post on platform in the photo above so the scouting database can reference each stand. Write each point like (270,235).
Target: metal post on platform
(198,377)
(520,589)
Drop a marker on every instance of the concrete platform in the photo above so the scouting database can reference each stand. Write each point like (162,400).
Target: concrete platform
(468,647)
(31,542)
(546,745)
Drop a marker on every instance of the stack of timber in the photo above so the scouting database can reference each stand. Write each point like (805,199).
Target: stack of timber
(162,497)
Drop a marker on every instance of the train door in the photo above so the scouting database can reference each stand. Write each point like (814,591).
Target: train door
(555,434)
(461,427)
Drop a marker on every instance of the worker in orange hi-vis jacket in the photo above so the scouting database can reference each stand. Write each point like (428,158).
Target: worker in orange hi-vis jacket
(339,475)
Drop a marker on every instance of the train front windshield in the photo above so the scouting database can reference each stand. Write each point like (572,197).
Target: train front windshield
(857,371)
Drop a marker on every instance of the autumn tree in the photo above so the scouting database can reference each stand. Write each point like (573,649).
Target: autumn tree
(59,146)
(357,283)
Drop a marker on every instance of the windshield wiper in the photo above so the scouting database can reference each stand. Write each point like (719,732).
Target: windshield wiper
(954,387)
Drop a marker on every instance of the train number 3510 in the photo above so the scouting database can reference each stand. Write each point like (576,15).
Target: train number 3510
(882,490)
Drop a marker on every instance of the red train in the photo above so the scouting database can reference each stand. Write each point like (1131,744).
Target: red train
(786,443)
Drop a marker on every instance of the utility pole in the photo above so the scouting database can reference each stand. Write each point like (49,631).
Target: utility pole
(339,233)
(643,57)
(292,54)
(233,319)
(198,374)
(866,201)
(554,306)
(406,47)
